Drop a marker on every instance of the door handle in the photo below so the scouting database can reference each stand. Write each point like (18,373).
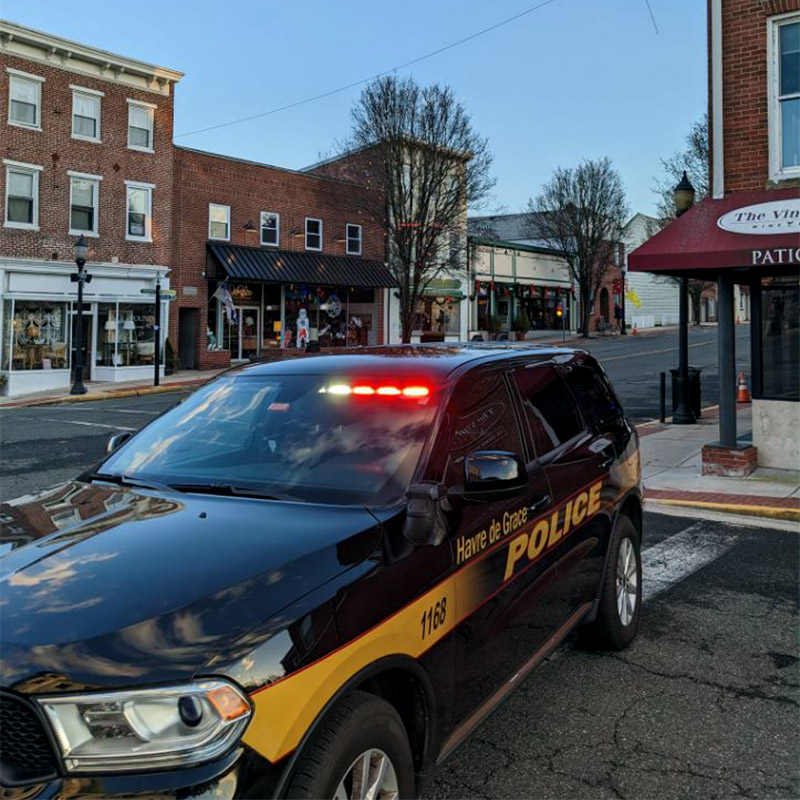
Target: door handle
(606,462)
(539,503)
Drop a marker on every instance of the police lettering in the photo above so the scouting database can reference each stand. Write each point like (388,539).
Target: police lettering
(548,532)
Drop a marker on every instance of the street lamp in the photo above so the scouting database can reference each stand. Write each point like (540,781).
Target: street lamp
(683,197)
(80,277)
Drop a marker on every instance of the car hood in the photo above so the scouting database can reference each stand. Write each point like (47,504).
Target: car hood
(106,586)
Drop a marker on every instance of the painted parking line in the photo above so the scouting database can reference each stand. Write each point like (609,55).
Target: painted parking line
(84,423)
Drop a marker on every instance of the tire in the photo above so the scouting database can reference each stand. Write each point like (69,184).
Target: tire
(357,724)
(615,626)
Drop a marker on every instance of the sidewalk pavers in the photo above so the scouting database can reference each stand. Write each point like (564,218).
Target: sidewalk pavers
(672,472)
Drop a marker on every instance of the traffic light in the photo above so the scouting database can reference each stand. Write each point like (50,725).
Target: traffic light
(559,312)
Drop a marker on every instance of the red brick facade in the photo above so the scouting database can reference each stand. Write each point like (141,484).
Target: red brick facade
(54,149)
(250,188)
(744,91)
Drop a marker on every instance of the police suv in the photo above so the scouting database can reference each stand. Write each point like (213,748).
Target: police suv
(314,578)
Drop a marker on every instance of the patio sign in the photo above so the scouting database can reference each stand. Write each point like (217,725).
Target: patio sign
(761,219)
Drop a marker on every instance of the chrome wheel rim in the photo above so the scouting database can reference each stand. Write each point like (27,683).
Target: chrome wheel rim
(370,777)
(627,582)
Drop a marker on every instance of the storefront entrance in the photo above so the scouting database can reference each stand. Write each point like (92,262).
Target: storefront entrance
(242,336)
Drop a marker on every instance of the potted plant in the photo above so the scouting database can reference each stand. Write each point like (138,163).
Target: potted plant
(171,363)
(494,325)
(3,383)
(521,324)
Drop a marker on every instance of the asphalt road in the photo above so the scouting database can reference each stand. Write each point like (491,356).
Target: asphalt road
(704,704)
(42,446)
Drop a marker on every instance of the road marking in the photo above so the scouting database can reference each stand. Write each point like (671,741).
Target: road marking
(677,557)
(650,352)
(86,424)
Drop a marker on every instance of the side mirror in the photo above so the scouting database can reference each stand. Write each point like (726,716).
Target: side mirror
(117,440)
(491,475)
(425,523)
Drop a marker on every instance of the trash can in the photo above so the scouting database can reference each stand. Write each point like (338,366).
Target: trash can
(694,389)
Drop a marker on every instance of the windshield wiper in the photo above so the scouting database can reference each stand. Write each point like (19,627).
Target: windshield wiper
(231,490)
(127,480)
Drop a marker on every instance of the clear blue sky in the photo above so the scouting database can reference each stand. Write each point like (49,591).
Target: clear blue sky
(576,79)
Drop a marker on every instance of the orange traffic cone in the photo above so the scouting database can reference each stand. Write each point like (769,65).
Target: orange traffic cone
(743,395)
(635,331)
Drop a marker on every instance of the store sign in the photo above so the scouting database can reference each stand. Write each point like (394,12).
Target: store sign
(241,292)
(775,255)
(777,216)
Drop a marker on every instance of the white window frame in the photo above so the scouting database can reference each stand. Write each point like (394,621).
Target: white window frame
(347,239)
(92,94)
(227,222)
(315,249)
(148,223)
(84,176)
(31,169)
(16,74)
(777,172)
(151,109)
(277,242)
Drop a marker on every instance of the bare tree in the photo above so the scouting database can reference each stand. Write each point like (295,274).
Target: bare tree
(580,212)
(431,165)
(693,158)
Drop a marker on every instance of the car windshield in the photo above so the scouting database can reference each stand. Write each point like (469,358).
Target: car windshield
(303,437)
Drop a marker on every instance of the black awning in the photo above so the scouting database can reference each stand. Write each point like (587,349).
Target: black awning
(285,266)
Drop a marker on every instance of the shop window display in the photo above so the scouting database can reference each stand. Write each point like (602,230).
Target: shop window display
(38,335)
(438,315)
(125,334)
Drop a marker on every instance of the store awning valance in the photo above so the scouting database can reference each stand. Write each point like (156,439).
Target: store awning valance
(286,266)
(759,230)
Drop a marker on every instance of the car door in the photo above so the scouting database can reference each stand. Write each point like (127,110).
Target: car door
(503,598)
(576,459)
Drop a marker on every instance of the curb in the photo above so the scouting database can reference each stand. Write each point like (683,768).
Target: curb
(772,512)
(110,395)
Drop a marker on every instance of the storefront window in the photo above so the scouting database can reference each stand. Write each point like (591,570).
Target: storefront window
(38,335)
(6,346)
(125,336)
(438,315)
(780,307)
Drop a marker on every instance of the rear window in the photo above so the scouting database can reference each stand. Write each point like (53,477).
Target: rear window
(312,438)
(549,408)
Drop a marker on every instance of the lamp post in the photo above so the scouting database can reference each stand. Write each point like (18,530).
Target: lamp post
(157,334)
(80,277)
(683,197)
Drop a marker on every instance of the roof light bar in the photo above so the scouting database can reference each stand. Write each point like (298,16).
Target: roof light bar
(366,390)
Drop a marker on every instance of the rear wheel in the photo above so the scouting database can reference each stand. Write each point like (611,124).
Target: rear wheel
(619,612)
(361,750)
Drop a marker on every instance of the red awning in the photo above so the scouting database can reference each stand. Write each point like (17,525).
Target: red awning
(759,230)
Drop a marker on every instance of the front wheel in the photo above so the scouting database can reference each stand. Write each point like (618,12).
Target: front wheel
(361,750)
(619,612)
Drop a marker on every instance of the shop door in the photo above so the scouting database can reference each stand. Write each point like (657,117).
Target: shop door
(87,344)
(249,333)
(187,337)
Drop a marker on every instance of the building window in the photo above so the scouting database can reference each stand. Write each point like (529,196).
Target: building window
(353,239)
(313,234)
(126,335)
(270,228)
(140,126)
(25,100)
(139,215)
(22,195)
(780,342)
(784,101)
(84,192)
(86,114)
(219,221)
(39,335)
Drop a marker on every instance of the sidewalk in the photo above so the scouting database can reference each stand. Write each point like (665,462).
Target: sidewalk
(105,390)
(672,472)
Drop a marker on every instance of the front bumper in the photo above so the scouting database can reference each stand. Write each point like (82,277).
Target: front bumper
(241,775)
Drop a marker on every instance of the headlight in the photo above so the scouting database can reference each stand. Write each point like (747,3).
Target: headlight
(174,726)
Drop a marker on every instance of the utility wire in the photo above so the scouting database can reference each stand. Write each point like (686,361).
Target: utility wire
(652,16)
(344,88)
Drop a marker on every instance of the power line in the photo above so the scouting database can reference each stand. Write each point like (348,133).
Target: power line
(652,16)
(352,85)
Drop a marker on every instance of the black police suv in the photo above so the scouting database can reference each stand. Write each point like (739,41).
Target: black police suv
(314,578)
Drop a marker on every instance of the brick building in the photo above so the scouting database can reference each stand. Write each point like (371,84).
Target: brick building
(280,243)
(87,150)
(748,232)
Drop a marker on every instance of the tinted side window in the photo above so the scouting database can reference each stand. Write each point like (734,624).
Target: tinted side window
(480,417)
(595,396)
(549,408)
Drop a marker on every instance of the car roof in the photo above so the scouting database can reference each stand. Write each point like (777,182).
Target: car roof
(436,361)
